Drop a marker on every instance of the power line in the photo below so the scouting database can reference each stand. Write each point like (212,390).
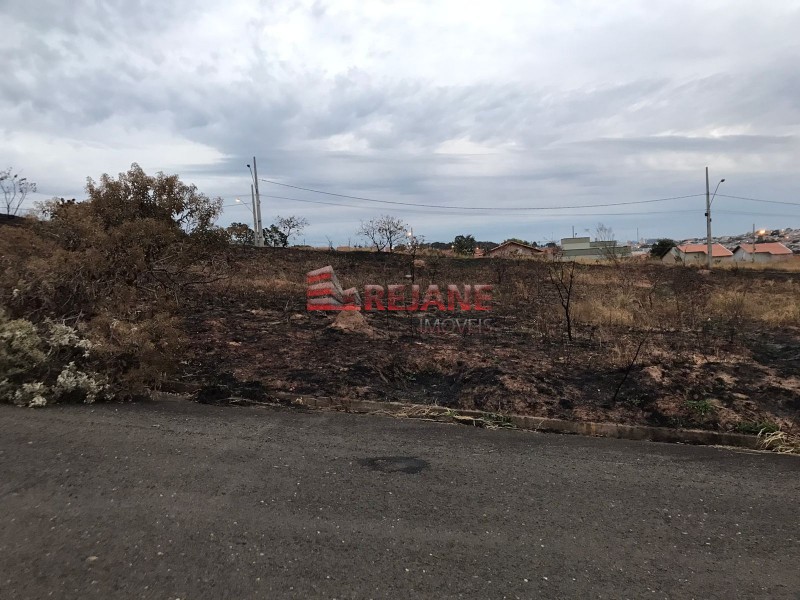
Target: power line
(760,200)
(755,214)
(489,214)
(491,208)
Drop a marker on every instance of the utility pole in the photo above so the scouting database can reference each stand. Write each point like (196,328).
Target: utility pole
(708,220)
(255,217)
(709,202)
(259,225)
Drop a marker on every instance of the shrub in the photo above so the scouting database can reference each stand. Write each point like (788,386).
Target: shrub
(45,364)
(110,272)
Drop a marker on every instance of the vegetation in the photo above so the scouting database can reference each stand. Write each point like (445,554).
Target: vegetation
(277,235)
(241,234)
(107,276)
(112,296)
(661,247)
(384,233)
(464,245)
(629,342)
(780,441)
(15,189)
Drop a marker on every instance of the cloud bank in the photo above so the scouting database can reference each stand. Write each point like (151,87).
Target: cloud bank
(507,104)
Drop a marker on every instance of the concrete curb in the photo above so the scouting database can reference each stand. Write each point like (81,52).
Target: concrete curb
(482,419)
(486,419)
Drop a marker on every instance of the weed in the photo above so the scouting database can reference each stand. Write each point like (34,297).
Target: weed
(756,428)
(699,407)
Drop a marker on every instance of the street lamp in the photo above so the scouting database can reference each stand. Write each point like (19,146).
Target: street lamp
(239,201)
(257,236)
(721,181)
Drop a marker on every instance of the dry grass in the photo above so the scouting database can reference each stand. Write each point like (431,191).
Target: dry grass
(780,442)
(614,310)
(792,264)
(771,303)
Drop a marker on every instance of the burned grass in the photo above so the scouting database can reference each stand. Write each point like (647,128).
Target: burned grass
(650,344)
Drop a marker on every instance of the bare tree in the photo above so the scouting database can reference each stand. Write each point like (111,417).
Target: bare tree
(605,237)
(15,188)
(562,276)
(384,232)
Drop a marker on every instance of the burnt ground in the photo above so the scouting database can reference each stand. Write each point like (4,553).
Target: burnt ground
(253,338)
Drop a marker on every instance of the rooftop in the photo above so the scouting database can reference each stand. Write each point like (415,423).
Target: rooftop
(716,249)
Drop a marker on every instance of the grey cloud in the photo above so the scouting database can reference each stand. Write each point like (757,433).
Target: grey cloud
(100,63)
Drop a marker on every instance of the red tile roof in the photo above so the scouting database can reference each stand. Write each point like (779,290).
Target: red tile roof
(766,248)
(716,249)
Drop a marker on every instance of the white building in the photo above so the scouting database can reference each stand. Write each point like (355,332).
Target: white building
(761,253)
(697,254)
(584,248)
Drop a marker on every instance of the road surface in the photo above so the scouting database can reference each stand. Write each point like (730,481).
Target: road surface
(179,500)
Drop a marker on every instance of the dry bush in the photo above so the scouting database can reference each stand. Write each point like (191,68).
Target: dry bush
(115,268)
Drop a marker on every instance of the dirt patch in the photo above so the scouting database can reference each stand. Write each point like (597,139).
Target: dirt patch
(350,321)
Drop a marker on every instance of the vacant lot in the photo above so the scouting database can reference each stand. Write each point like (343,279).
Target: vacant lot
(645,343)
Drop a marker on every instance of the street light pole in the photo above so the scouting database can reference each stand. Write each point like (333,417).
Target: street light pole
(709,201)
(256,203)
(708,221)
(256,229)
(260,230)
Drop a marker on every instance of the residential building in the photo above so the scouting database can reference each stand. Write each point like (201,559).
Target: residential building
(514,249)
(762,253)
(697,254)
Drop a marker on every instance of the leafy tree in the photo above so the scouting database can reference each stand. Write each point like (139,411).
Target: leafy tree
(661,247)
(240,233)
(290,227)
(275,237)
(15,189)
(464,245)
(384,232)
(48,209)
(136,196)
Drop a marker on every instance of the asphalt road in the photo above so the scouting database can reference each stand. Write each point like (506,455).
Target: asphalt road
(177,500)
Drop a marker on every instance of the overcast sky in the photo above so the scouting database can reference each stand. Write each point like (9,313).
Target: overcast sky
(502,104)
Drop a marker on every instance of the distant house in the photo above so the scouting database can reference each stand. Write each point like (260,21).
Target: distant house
(696,254)
(584,248)
(512,248)
(761,253)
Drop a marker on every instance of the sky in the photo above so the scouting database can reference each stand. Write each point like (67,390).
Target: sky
(507,110)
